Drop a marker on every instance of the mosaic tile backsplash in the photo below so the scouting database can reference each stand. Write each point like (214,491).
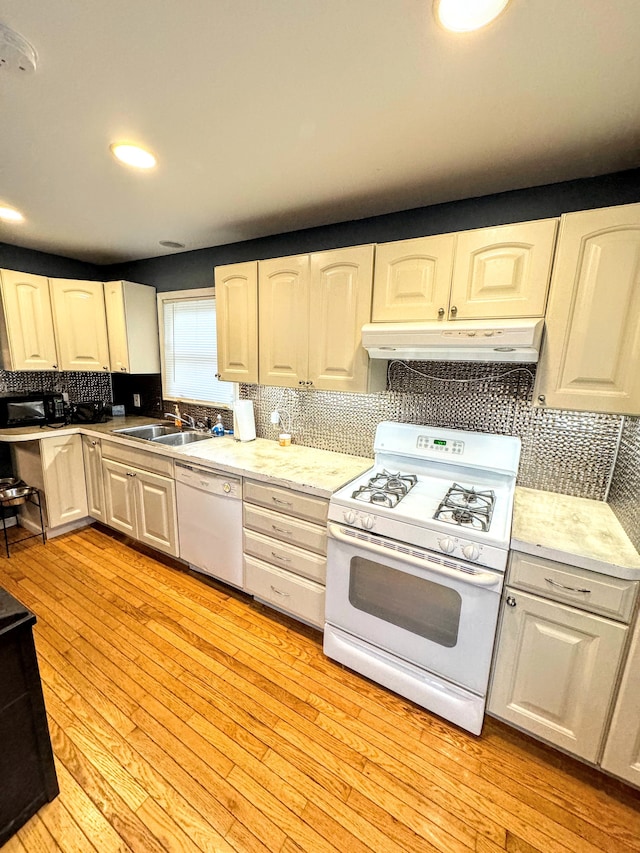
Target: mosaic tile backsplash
(79,386)
(625,486)
(569,452)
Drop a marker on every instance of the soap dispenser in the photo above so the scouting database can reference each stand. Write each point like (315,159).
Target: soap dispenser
(218,427)
(178,417)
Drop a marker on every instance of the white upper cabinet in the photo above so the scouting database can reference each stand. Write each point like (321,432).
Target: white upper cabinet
(312,309)
(339,305)
(28,341)
(591,353)
(413,279)
(237,321)
(503,272)
(132,326)
(80,324)
(283,288)
(489,273)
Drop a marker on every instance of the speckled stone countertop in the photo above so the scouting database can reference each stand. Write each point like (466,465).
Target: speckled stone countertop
(581,532)
(318,472)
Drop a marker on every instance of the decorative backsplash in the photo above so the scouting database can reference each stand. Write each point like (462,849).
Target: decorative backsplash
(569,452)
(625,486)
(79,386)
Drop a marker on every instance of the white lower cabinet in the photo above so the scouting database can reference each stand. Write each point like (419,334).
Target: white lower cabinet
(556,665)
(64,482)
(92,453)
(141,503)
(622,748)
(285,549)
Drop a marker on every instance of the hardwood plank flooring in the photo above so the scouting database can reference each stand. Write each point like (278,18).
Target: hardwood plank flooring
(186,717)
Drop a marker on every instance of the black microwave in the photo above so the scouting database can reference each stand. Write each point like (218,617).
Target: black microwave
(31,409)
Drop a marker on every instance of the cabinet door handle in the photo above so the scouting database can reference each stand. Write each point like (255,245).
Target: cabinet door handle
(124,369)
(454,310)
(280,557)
(93,442)
(541,398)
(279,592)
(511,601)
(280,530)
(568,588)
(105,368)
(280,501)
(441,312)
(55,366)
(131,474)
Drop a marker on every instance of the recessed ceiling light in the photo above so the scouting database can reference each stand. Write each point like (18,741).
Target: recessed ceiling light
(171,244)
(133,155)
(462,16)
(10,214)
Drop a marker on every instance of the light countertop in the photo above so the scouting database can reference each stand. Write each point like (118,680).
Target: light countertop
(578,531)
(318,472)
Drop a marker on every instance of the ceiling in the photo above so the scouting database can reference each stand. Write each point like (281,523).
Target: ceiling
(273,116)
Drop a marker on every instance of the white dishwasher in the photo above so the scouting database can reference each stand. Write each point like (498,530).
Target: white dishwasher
(210,522)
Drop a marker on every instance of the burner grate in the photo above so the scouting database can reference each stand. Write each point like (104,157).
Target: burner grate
(467,507)
(385,489)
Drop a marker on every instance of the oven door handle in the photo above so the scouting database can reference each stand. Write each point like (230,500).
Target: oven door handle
(483,579)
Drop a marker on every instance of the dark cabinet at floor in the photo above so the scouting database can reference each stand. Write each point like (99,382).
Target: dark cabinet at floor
(27,773)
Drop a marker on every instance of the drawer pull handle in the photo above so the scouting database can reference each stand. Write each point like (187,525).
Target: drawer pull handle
(280,530)
(280,501)
(279,592)
(280,557)
(569,588)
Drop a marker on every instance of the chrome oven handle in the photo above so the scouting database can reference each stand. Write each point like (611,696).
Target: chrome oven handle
(484,579)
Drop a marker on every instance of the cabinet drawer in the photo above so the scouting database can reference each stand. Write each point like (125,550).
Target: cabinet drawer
(287,500)
(288,592)
(289,557)
(612,597)
(154,462)
(285,528)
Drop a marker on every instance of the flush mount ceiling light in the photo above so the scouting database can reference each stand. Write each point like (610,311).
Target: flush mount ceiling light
(10,214)
(463,16)
(133,155)
(171,244)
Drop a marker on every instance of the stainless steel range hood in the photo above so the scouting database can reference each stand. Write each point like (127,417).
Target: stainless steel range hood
(455,340)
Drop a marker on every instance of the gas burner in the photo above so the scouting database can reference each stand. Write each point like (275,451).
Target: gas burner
(385,489)
(467,508)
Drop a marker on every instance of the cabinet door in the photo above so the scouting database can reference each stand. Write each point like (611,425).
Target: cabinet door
(554,672)
(283,286)
(93,474)
(237,321)
(156,511)
(589,360)
(116,326)
(28,321)
(64,481)
(80,324)
(503,271)
(622,749)
(339,305)
(119,497)
(412,279)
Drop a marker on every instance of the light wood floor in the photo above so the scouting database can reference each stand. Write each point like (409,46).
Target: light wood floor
(184,717)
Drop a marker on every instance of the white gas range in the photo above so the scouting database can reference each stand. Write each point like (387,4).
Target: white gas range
(418,546)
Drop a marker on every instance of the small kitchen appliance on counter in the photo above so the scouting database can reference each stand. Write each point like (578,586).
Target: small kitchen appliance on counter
(416,557)
(88,412)
(34,409)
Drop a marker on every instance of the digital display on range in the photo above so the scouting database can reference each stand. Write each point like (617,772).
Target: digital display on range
(440,442)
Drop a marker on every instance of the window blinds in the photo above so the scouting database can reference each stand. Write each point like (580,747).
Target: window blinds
(190,354)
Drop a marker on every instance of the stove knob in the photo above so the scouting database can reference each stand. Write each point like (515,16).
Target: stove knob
(471,552)
(447,545)
(350,517)
(368,522)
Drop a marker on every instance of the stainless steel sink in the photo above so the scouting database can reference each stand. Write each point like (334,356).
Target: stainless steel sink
(180,438)
(150,433)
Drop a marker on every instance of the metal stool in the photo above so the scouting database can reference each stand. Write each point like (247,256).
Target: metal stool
(13,493)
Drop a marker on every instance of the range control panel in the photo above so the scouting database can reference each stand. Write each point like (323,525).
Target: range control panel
(441,445)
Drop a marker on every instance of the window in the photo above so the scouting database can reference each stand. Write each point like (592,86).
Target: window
(187,320)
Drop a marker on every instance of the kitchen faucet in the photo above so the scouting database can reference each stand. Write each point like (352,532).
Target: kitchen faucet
(184,418)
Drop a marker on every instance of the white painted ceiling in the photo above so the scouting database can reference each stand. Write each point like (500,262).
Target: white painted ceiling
(275,115)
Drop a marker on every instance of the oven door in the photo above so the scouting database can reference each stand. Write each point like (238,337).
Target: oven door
(438,613)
